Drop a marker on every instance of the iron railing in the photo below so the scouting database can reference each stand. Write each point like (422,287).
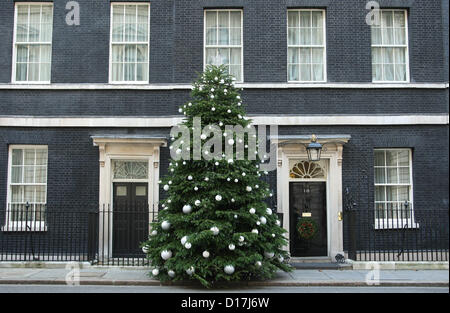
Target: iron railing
(103,236)
(397,234)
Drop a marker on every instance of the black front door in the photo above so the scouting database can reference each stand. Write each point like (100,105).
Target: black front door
(308,200)
(130,219)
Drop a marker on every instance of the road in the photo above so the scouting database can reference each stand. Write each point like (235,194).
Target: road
(173,289)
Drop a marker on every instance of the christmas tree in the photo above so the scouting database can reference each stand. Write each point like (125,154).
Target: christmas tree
(214,224)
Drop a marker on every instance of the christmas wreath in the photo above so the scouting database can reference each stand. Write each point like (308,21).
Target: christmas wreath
(307,228)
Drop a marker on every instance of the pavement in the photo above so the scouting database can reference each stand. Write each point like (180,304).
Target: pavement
(123,276)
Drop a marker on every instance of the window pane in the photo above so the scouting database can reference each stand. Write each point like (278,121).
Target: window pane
(46,32)
(22,14)
(380,193)
(317,20)
(379,158)
(223,36)
(380,176)
(142,53)
(404,175)
(377,55)
(403,194)
(235,56)
(377,72)
(29,156)
(392,176)
(33,32)
(21,72)
(388,72)
(317,36)
(399,55)
(129,72)
(142,71)
(29,194)
(223,19)
(380,210)
(142,31)
(16,193)
(399,36)
(130,14)
(41,174)
(46,53)
(317,72)
(293,55)
(211,19)
(235,36)
(305,72)
(41,156)
(403,158)
(34,53)
(44,71)
(142,14)
(305,55)
(17,157)
(293,72)
(235,19)
(130,33)
(293,36)
(391,193)
(117,53)
(400,72)
(22,33)
(117,72)
(376,36)
(16,174)
(399,19)
(118,13)
(35,14)
(391,157)
(224,56)
(211,36)
(47,14)
(211,56)
(130,53)
(293,19)
(388,36)
(117,32)
(317,55)
(28,175)
(386,19)
(235,70)
(305,19)
(40,194)
(305,36)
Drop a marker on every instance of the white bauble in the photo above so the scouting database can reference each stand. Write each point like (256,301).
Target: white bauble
(231,246)
(155,272)
(230,161)
(248,188)
(165,225)
(166,254)
(205,254)
(203,137)
(256,186)
(171,273)
(281,259)
(212,89)
(218,198)
(145,249)
(153,233)
(241,238)
(170,182)
(187,209)
(231,142)
(166,187)
(189,177)
(258,223)
(232,200)
(236,180)
(180,110)
(178,151)
(216,78)
(228,179)
(255,231)
(196,188)
(213,109)
(229,269)
(206,179)
(197,202)
(190,104)
(243,174)
(238,97)
(228,111)
(273,235)
(216,164)
(258,263)
(184,240)
(214,230)
(269,211)
(269,255)
(252,211)
(278,223)
(190,271)
(235,216)
(212,96)
(263,220)
(188,245)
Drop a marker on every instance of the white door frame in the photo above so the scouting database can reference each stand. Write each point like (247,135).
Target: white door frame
(112,148)
(295,149)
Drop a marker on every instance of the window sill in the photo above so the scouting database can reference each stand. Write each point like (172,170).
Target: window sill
(14,228)
(406,224)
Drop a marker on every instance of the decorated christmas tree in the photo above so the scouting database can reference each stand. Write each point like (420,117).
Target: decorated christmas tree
(214,224)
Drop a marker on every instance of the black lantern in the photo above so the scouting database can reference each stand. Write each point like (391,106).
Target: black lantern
(314,149)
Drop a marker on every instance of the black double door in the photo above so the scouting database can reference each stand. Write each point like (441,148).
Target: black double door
(308,200)
(130,219)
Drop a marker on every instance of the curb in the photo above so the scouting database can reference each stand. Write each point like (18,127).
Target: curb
(243,284)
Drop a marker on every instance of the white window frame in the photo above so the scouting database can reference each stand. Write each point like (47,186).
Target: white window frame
(13,226)
(406,46)
(241,46)
(324,46)
(14,54)
(395,223)
(127,82)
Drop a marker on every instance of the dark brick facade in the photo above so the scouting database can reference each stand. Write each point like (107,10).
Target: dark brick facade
(81,55)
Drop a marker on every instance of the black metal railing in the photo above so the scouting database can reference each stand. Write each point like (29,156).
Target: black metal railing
(397,233)
(103,236)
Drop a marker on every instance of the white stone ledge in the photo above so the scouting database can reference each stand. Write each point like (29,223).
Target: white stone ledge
(152,121)
(99,86)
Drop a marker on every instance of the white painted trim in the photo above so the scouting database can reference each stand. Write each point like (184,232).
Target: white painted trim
(185,86)
(164,121)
